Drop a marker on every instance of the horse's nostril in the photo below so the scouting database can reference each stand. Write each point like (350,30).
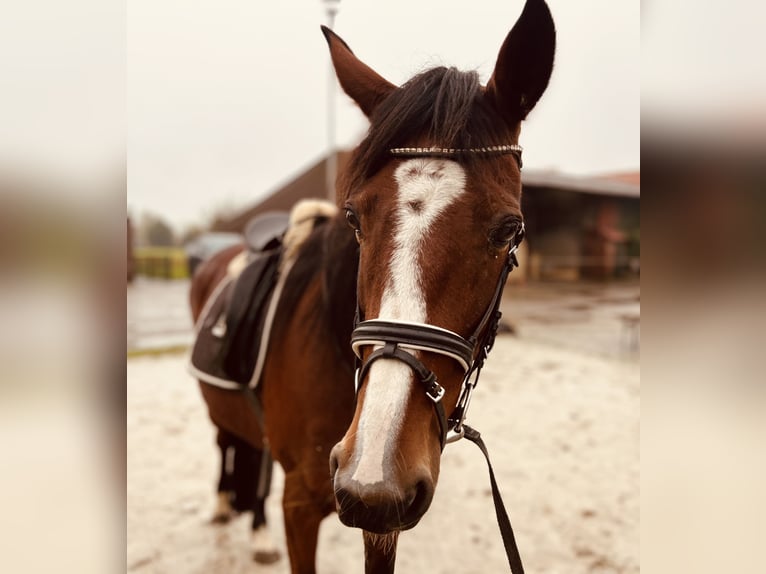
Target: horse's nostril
(421,498)
(333,463)
(335,458)
(343,499)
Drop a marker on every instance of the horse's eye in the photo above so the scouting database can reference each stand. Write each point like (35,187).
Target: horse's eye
(504,232)
(353,222)
(352,219)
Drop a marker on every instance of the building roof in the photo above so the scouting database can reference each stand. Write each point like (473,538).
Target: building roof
(617,185)
(632,177)
(307,184)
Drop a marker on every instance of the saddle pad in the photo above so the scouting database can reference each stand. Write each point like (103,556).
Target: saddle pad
(230,329)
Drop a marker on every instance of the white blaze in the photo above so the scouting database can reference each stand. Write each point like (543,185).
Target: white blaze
(426,187)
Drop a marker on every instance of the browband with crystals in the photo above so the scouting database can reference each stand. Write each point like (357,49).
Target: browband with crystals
(494,149)
(514,149)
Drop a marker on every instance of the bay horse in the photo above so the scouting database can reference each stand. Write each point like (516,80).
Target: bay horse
(398,292)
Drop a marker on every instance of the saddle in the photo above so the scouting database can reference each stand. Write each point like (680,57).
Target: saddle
(231,327)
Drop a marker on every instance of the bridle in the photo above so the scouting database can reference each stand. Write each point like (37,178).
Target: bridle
(397,339)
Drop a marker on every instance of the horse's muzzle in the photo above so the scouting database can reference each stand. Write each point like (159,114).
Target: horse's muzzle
(384,506)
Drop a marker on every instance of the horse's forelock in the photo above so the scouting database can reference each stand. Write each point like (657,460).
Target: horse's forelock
(441,106)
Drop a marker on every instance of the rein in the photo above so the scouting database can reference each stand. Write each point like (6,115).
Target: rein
(398,339)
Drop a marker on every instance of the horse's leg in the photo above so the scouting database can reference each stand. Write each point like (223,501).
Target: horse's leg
(379,552)
(223,509)
(264,549)
(244,481)
(302,516)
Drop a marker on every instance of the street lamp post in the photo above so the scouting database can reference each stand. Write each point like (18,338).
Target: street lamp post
(331,7)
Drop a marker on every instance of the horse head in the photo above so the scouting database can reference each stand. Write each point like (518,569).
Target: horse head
(433,196)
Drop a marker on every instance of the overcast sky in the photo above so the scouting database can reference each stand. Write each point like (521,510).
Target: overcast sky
(226,100)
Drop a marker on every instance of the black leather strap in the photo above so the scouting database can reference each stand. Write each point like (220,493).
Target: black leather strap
(506,531)
(416,335)
(267,462)
(491,315)
(433,389)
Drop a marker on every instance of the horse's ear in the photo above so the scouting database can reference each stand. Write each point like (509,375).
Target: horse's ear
(525,63)
(365,86)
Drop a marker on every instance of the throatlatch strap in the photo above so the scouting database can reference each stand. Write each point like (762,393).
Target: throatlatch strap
(506,531)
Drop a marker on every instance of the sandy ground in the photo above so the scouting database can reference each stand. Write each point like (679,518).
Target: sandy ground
(562,426)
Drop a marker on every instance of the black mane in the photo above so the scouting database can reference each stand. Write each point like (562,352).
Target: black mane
(331,252)
(441,106)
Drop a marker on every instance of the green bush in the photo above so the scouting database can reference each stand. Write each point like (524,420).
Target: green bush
(161,262)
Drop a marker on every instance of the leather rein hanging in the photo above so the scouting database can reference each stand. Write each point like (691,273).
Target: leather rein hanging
(398,339)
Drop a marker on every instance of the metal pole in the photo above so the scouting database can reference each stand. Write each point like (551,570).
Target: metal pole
(331,162)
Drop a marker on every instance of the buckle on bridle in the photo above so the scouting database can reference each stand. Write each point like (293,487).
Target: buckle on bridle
(455,434)
(461,409)
(435,386)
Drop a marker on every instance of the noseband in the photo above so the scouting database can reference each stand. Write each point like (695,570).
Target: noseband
(398,339)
